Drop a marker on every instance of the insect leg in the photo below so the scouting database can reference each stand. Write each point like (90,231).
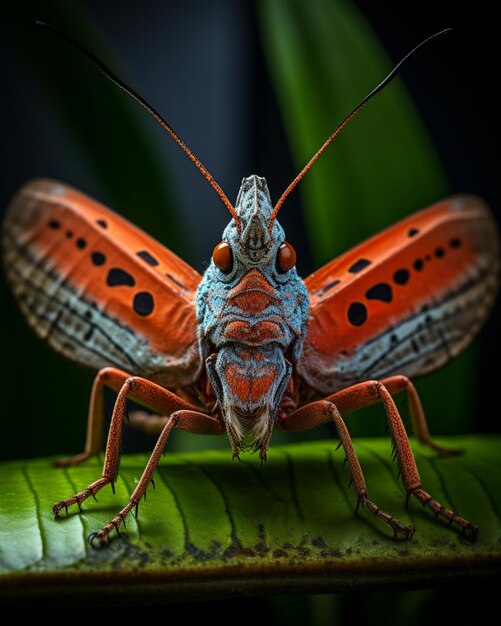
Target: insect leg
(368,392)
(147,422)
(323,411)
(107,377)
(192,421)
(365,393)
(143,391)
(396,384)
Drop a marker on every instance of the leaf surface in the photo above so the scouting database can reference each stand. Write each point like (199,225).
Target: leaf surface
(213,526)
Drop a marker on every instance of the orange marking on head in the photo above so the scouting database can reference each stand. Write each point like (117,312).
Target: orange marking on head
(253,280)
(252,302)
(247,388)
(260,386)
(252,335)
(239,383)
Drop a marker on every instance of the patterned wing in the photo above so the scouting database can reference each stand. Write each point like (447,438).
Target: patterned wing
(98,289)
(404,302)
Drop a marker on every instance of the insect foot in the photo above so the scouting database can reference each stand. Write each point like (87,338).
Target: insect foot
(102,536)
(469,530)
(397,526)
(79,497)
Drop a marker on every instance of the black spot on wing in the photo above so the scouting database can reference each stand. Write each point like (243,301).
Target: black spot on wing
(455,243)
(418,265)
(147,257)
(174,280)
(413,232)
(357,313)
(401,276)
(359,265)
(143,303)
(69,234)
(54,224)
(439,253)
(102,223)
(381,291)
(98,258)
(328,286)
(118,277)
(81,243)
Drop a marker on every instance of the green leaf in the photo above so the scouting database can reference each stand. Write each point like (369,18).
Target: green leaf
(212,525)
(323,58)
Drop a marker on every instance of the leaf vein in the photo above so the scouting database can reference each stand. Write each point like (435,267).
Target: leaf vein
(179,508)
(38,511)
(489,495)
(291,473)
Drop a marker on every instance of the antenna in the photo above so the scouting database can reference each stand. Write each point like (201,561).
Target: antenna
(133,94)
(398,67)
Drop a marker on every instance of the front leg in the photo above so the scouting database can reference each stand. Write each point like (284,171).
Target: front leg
(357,396)
(144,391)
(191,421)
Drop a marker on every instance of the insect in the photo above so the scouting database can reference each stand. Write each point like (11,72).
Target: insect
(249,346)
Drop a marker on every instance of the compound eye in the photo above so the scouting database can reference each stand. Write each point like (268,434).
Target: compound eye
(286,257)
(222,256)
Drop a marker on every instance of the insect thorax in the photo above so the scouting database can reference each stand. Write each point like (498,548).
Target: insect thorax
(252,321)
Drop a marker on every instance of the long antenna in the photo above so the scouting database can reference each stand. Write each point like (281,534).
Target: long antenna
(351,115)
(128,90)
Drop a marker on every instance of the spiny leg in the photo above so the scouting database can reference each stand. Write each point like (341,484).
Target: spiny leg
(396,384)
(323,411)
(142,390)
(192,421)
(366,393)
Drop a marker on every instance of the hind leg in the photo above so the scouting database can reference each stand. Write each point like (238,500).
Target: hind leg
(113,379)
(355,397)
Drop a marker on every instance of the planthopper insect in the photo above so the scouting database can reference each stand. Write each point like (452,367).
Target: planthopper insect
(249,346)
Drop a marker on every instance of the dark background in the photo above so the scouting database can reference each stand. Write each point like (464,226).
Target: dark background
(201,65)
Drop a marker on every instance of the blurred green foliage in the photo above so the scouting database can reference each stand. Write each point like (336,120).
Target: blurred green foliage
(324,58)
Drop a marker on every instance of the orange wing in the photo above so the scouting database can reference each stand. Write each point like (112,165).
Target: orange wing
(404,302)
(98,289)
